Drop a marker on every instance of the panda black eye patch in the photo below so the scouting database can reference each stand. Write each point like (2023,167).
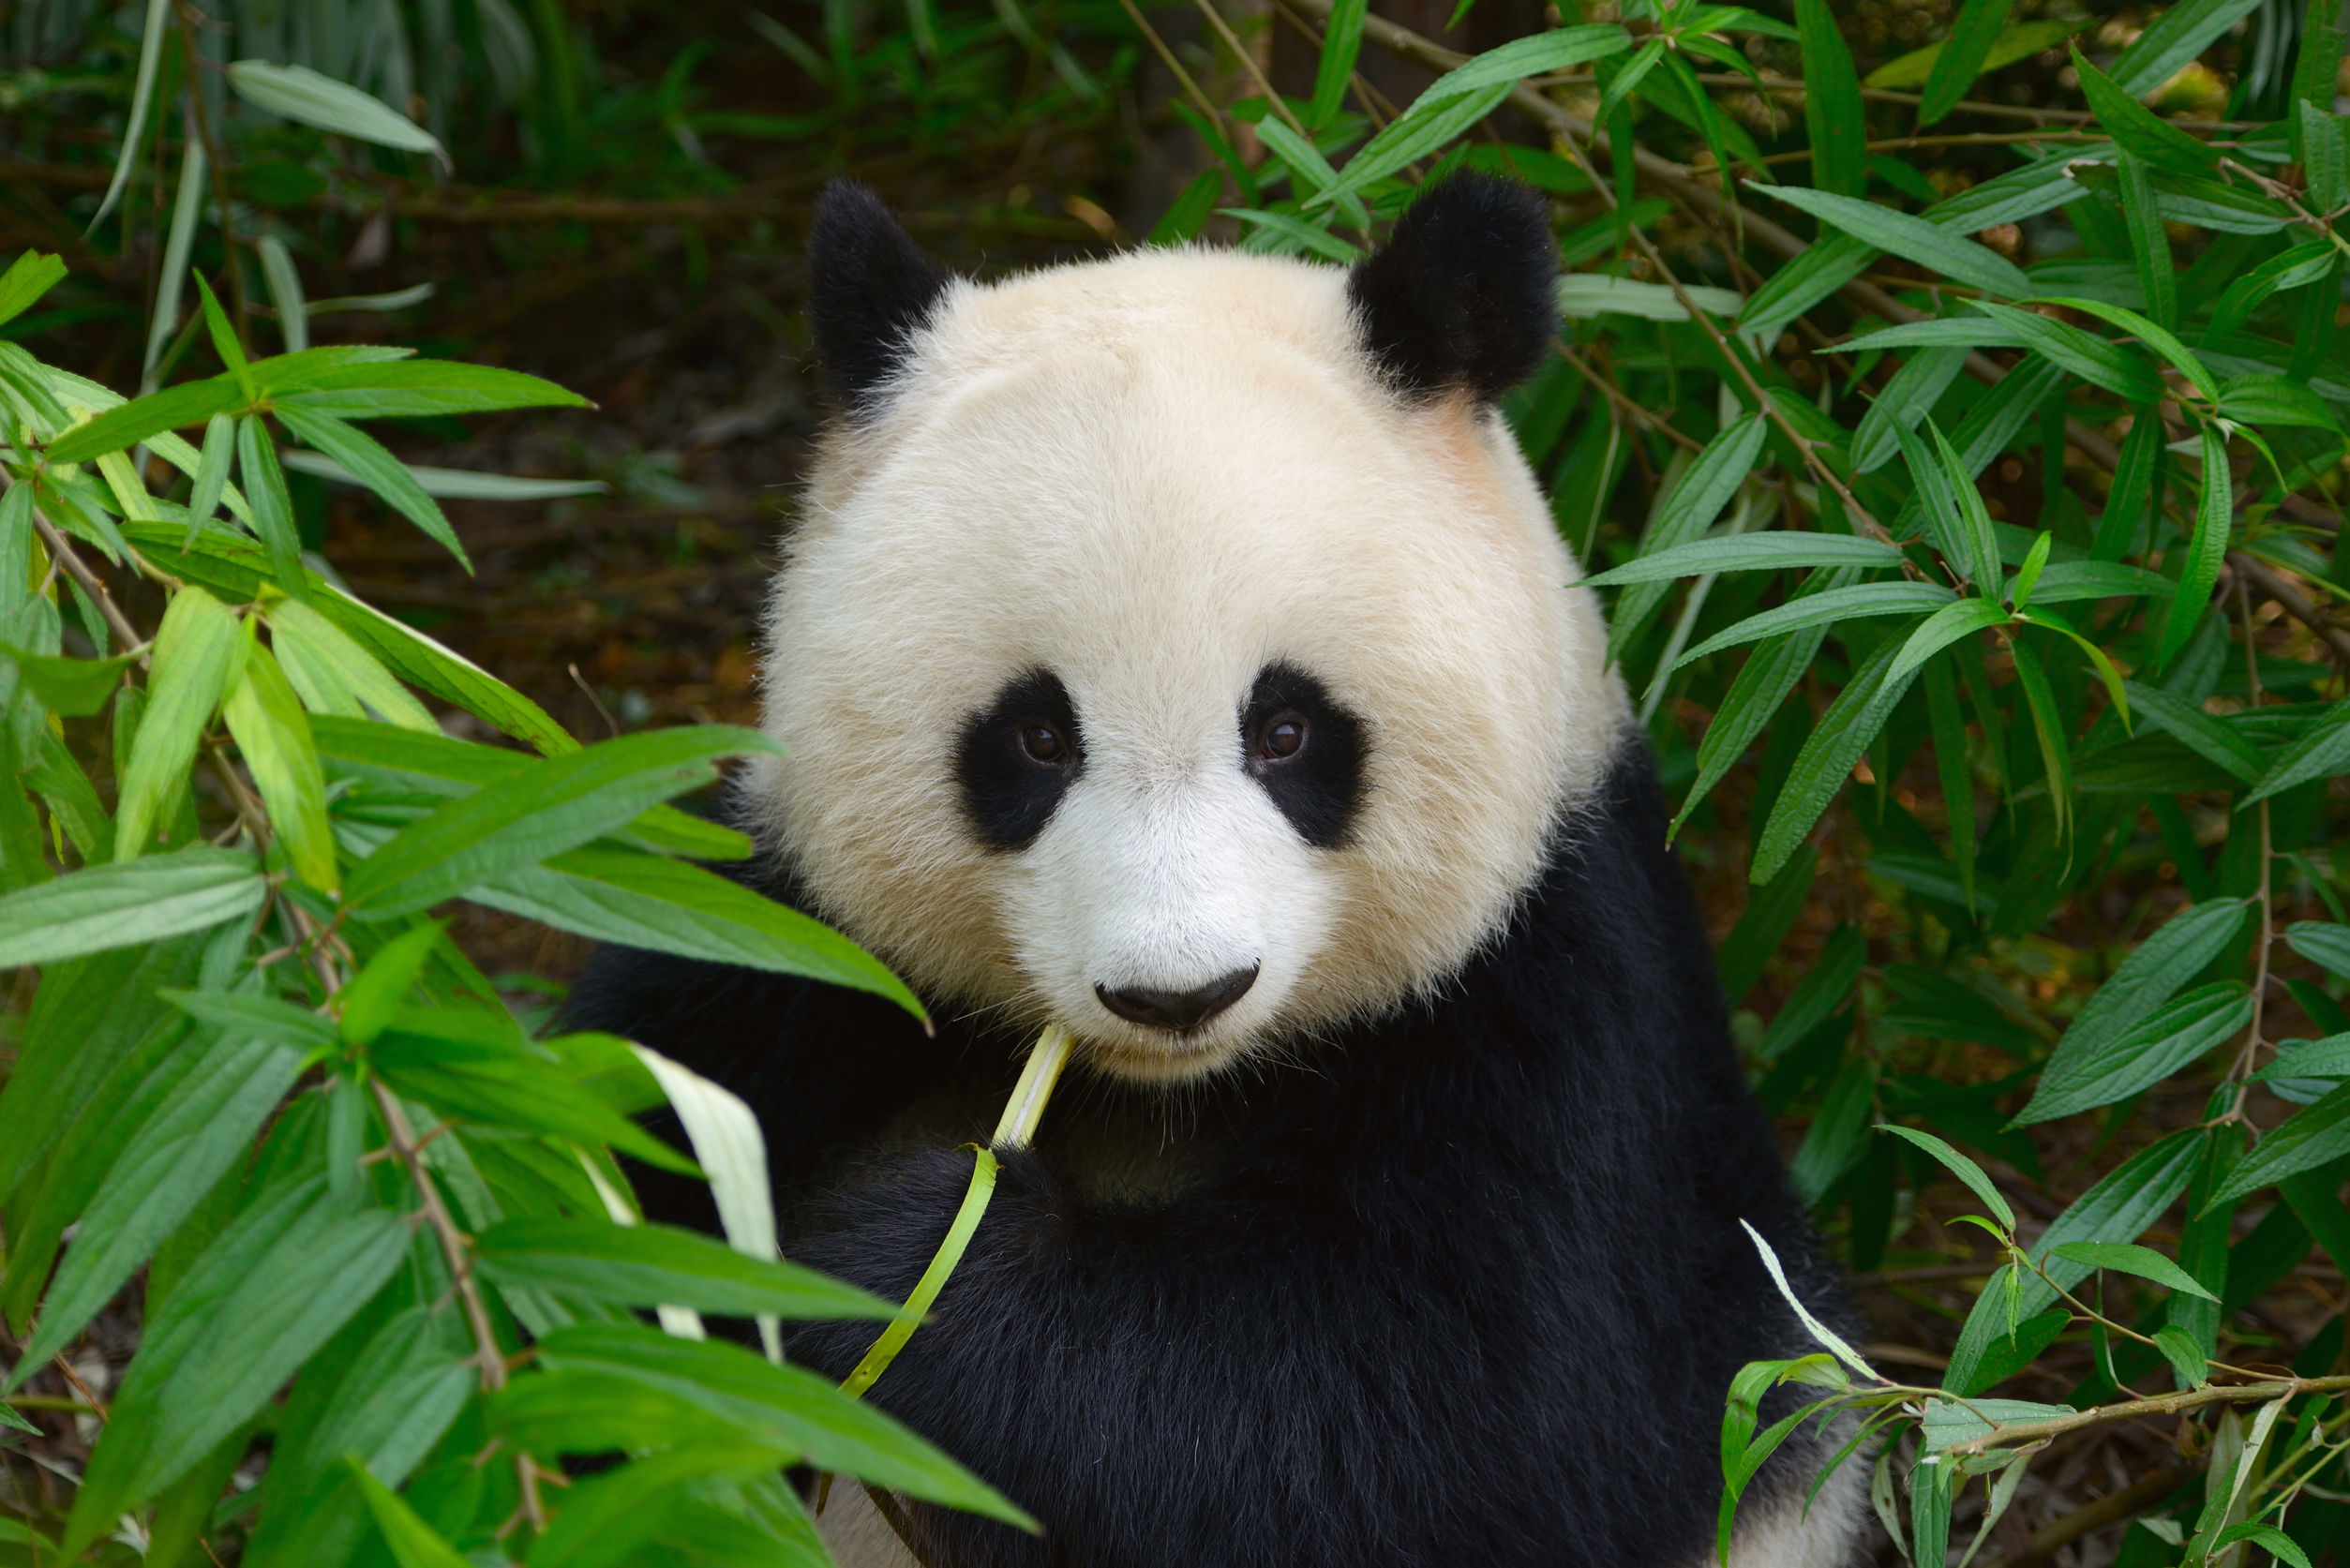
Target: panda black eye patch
(1307,750)
(1017,758)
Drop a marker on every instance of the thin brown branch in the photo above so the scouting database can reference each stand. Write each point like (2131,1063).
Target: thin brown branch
(1248,63)
(1608,390)
(62,551)
(2018,1434)
(1183,78)
(2295,604)
(454,1245)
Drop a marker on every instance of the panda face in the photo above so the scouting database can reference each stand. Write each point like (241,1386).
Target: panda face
(1149,665)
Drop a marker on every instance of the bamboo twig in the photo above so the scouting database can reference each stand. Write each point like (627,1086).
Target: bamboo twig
(1614,395)
(2022,1432)
(2294,603)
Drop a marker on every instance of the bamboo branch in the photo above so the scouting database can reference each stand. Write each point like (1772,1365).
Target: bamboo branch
(2295,604)
(62,551)
(2023,1432)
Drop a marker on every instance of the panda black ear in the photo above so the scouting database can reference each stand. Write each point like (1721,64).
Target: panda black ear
(870,290)
(1463,295)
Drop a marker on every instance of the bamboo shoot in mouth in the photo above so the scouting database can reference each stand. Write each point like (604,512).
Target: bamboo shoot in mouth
(1014,1130)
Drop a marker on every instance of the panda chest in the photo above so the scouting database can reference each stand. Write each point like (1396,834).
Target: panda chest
(1110,1147)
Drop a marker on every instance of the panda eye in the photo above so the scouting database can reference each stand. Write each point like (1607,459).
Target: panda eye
(1042,744)
(1283,738)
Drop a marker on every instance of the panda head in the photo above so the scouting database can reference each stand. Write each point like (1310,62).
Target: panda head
(1176,646)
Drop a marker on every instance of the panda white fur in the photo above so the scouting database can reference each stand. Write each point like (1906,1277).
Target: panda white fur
(1177,649)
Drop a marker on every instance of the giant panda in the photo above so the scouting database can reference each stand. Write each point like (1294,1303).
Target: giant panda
(1177,647)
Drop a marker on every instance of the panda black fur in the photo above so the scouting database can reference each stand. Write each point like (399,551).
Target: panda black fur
(1424,1248)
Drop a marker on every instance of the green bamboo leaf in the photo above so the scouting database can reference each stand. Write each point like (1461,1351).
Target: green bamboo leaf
(1977,1179)
(1341,41)
(1636,70)
(2176,37)
(1825,986)
(1860,601)
(2152,973)
(414,388)
(1763,682)
(2204,734)
(273,734)
(2323,943)
(1962,58)
(2267,1537)
(2164,1043)
(2149,241)
(649,1266)
(2296,268)
(386,475)
(2185,1356)
(212,471)
(2159,338)
(1961,617)
(2127,502)
(1560,48)
(2275,401)
(1915,238)
(189,403)
(2066,580)
(2120,372)
(196,1116)
(413,1542)
(553,805)
(125,904)
(471,485)
(1913,391)
(1843,733)
(2027,575)
(2116,688)
(299,92)
(2326,1058)
(2118,1208)
(273,507)
(1688,510)
(197,653)
(2128,1258)
(1297,235)
(33,275)
(2215,518)
(283,1277)
(334,675)
(650,901)
(1310,171)
(425,763)
(2322,752)
(76,688)
(2310,1137)
(1436,117)
(236,568)
(2138,130)
(795,1408)
(1770,914)
(1750,552)
(223,336)
(285,292)
(2055,754)
(1975,534)
(1836,125)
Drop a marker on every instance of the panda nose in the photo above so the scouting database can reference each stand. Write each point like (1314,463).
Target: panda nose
(1179,1010)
